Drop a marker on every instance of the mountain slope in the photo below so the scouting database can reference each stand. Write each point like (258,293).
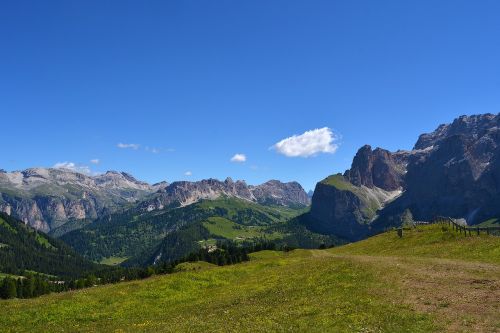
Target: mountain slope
(142,236)
(48,198)
(453,171)
(23,248)
(340,289)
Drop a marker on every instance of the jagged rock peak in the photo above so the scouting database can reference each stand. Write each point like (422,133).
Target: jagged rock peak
(378,167)
(473,126)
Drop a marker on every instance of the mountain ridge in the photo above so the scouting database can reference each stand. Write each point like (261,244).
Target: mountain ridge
(453,171)
(49,198)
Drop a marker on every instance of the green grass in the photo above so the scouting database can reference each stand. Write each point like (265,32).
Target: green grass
(113,261)
(355,288)
(7,226)
(44,241)
(275,292)
(194,266)
(432,241)
(219,226)
(234,206)
(339,182)
(4,275)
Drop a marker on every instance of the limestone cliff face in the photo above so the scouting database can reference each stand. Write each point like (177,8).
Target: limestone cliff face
(344,209)
(49,198)
(453,171)
(378,168)
(345,205)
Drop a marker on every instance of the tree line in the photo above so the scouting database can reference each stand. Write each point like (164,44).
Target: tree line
(33,285)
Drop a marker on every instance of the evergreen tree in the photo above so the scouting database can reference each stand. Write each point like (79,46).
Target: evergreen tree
(19,288)
(28,287)
(8,289)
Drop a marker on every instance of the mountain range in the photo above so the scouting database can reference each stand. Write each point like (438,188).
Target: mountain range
(48,199)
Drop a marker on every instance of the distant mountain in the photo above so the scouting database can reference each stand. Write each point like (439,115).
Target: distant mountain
(48,198)
(184,193)
(61,200)
(453,171)
(22,248)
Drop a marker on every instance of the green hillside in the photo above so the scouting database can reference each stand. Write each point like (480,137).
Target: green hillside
(24,249)
(382,284)
(432,241)
(180,231)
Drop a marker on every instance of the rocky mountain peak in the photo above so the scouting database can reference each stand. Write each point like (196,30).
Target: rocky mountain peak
(473,126)
(453,171)
(377,168)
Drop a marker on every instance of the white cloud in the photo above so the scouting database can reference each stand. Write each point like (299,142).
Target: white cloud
(95,161)
(73,167)
(310,143)
(239,158)
(188,173)
(133,146)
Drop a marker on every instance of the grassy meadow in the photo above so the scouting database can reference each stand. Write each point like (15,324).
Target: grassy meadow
(428,281)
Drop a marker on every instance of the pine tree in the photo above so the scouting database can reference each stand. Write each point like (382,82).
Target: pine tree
(8,289)
(19,287)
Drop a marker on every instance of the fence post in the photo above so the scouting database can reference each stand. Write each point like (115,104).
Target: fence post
(478,231)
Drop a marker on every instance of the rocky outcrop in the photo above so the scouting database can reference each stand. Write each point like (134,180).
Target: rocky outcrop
(277,193)
(345,205)
(378,168)
(453,171)
(343,209)
(185,193)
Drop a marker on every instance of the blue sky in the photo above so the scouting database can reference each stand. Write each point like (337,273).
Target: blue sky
(195,82)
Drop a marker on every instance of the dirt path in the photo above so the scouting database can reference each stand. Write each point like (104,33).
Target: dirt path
(464,295)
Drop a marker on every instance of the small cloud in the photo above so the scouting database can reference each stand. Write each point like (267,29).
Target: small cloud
(239,158)
(95,161)
(188,173)
(133,146)
(310,143)
(73,167)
